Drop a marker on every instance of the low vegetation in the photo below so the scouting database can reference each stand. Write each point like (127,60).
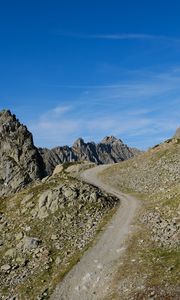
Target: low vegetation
(44,231)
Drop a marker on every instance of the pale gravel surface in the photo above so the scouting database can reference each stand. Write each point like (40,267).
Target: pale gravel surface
(90,278)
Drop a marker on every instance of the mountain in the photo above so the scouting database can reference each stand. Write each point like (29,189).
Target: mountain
(109,150)
(20,161)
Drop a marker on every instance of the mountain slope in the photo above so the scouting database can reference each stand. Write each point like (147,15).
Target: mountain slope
(151,264)
(44,231)
(151,172)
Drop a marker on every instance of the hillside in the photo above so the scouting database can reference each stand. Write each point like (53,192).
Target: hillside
(45,229)
(153,252)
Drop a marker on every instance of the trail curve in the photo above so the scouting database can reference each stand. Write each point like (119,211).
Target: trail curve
(89,278)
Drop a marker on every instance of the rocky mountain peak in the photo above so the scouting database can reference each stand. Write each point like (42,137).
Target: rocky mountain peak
(5,112)
(78,143)
(110,139)
(12,129)
(20,161)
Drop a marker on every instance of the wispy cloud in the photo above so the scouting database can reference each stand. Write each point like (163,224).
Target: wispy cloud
(142,112)
(54,127)
(55,112)
(119,36)
(59,110)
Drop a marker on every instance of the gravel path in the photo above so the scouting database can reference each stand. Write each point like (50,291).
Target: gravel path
(89,279)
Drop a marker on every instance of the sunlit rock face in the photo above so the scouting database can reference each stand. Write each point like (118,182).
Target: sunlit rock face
(20,161)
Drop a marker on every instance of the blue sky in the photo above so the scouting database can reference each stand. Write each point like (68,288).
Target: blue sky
(91,69)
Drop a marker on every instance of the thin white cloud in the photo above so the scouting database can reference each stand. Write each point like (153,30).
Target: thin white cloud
(55,113)
(59,110)
(119,36)
(143,111)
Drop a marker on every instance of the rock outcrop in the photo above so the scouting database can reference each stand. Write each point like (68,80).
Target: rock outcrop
(20,161)
(109,150)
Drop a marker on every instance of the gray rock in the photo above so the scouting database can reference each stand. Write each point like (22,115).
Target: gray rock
(54,237)
(19,236)
(48,202)
(5,267)
(58,260)
(20,161)
(11,252)
(69,193)
(43,199)
(27,198)
(54,206)
(31,242)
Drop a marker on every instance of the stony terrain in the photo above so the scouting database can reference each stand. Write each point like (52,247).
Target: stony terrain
(153,253)
(44,231)
(109,150)
(152,172)
(20,161)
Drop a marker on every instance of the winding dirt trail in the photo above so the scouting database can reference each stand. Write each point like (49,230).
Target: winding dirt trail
(89,279)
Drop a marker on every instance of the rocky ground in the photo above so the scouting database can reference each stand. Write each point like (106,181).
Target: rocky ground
(43,232)
(150,268)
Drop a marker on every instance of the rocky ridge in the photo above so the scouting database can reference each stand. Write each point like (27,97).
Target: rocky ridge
(109,150)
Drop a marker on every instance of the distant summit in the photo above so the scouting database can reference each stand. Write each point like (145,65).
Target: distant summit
(78,143)
(109,150)
(111,139)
